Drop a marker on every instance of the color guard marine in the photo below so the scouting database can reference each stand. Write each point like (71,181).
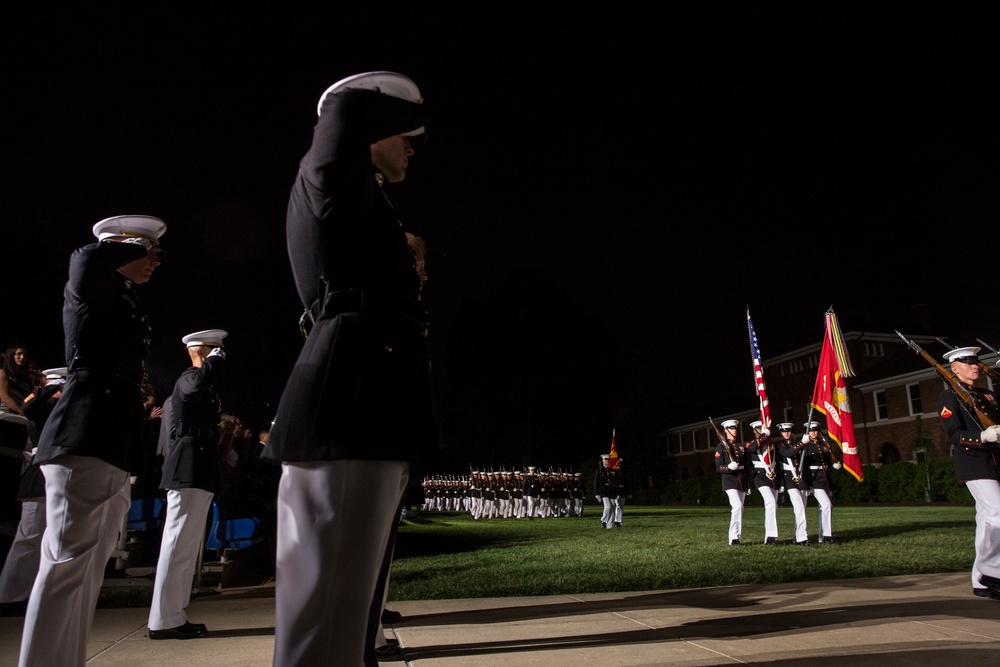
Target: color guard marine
(766,477)
(820,459)
(970,417)
(733,464)
(796,479)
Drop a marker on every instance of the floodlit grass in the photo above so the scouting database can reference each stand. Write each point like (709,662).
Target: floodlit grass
(442,555)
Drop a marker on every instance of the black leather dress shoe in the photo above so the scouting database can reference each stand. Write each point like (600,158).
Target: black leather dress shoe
(981,592)
(389,652)
(770,540)
(186,631)
(734,543)
(803,543)
(826,539)
(390,616)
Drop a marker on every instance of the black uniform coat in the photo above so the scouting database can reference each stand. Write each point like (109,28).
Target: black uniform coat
(532,485)
(792,456)
(738,479)
(606,483)
(361,386)
(819,461)
(37,408)
(107,334)
(972,459)
(756,450)
(191,457)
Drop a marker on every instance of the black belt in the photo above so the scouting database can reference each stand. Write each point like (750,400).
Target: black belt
(364,300)
(360,300)
(211,433)
(113,370)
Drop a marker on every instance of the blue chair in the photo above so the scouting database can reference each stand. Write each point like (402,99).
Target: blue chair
(146,514)
(229,531)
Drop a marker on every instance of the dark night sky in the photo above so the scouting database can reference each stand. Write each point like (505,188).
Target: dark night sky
(603,193)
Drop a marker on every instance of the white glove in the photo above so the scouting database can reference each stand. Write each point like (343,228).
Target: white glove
(806,439)
(991,434)
(135,240)
(836,465)
(765,432)
(598,498)
(216,352)
(733,465)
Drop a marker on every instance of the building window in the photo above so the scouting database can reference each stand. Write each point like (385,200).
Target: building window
(888,453)
(881,405)
(913,393)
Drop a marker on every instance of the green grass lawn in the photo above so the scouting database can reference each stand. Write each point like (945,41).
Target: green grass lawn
(441,555)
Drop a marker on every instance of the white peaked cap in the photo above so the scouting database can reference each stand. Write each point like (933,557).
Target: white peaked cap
(963,353)
(140,226)
(387,83)
(210,337)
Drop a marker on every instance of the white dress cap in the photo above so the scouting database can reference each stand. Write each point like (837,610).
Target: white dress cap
(209,337)
(387,83)
(55,375)
(968,355)
(730,423)
(140,226)
(756,424)
(785,426)
(812,426)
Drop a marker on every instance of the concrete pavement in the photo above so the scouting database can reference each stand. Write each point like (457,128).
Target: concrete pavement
(928,620)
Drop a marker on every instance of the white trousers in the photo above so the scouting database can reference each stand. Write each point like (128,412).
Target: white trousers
(825,512)
(85,502)
(531,503)
(798,498)
(21,566)
(183,538)
(334,521)
(986,492)
(770,497)
(736,500)
(608,516)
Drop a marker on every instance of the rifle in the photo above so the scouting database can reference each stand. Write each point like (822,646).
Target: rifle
(956,384)
(989,370)
(723,440)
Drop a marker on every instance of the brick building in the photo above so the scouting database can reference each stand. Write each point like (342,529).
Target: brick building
(893,399)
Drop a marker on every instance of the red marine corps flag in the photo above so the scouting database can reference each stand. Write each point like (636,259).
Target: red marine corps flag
(830,394)
(613,459)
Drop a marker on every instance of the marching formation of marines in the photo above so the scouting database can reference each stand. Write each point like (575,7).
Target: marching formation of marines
(516,494)
(799,467)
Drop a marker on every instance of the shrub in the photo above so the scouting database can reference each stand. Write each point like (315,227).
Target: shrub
(896,483)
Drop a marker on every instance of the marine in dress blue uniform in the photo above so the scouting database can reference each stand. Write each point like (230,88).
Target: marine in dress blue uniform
(733,465)
(355,419)
(92,441)
(974,446)
(796,479)
(766,477)
(21,565)
(191,480)
(819,460)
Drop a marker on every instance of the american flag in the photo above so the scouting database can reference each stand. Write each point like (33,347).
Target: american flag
(758,375)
